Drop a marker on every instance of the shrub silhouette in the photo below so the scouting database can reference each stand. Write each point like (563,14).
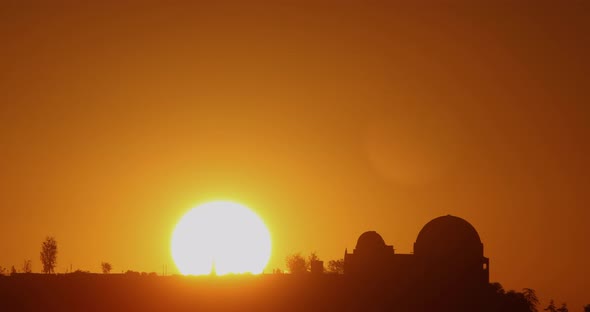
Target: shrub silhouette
(106,267)
(336,266)
(27,266)
(296,263)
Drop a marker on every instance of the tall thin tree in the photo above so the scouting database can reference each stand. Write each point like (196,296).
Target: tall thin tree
(49,255)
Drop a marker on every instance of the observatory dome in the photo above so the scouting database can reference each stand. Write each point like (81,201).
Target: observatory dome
(448,236)
(370,240)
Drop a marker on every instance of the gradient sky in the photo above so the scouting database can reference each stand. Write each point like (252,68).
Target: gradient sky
(327,119)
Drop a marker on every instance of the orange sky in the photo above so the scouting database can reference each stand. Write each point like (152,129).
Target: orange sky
(327,119)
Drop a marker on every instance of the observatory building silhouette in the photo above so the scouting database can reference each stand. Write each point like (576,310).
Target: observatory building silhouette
(448,252)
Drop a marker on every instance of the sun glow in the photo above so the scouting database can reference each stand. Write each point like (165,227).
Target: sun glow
(222,236)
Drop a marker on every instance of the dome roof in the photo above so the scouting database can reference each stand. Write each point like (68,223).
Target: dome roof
(448,235)
(370,240)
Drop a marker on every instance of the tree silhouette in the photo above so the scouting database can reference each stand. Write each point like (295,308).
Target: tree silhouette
(49,255)
(499,299)
(587,308)
(336,266)
(27,266)
(296,263)
(313,256)
(531,297)
(106,267)
(551,307)
(515,301)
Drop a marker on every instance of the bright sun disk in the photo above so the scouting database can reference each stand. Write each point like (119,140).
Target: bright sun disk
(222,236)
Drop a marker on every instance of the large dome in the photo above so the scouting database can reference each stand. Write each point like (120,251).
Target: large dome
(370,240)
(448,236)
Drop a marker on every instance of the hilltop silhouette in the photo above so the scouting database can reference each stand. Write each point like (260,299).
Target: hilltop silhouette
(446,272)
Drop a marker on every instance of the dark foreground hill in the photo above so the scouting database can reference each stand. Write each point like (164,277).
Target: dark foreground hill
(277,292)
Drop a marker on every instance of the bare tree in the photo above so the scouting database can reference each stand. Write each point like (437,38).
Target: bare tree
(27,266)
(49,255)
(106,267)
(296,263)
(336,266)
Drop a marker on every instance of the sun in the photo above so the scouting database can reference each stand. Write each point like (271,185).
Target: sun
(220,237)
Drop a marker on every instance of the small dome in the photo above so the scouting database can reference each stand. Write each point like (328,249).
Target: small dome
(447,236)
(370,240)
